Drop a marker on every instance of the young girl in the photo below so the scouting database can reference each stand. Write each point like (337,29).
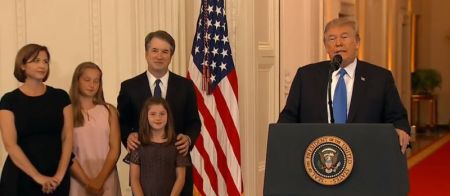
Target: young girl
(96,136)
(156,166)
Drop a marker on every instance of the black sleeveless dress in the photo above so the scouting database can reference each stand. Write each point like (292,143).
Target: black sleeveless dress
(39,121)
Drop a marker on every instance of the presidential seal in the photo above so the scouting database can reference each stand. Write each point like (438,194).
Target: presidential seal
(328,160)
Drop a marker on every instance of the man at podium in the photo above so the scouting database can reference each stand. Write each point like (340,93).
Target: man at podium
(345,89)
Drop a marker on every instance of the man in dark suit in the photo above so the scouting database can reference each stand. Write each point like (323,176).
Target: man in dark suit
(371,95)
(159,81)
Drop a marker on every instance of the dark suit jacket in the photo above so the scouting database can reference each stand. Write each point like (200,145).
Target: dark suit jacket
(375,98)
(180,96)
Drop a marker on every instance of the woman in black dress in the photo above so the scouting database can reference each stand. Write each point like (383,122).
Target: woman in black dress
(36,125)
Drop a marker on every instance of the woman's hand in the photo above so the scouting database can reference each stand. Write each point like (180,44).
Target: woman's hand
(48,184)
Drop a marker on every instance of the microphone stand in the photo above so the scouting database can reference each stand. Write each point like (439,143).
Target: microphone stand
(334,65)
(330,101)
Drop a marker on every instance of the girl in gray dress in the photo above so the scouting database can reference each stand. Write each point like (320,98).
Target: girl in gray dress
(156,166)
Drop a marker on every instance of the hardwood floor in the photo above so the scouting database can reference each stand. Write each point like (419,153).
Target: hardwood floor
(424,137)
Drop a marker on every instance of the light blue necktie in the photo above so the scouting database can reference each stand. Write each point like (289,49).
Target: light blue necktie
(157,92)
(340,99)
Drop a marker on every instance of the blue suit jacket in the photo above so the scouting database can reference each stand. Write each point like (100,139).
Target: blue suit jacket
(375,98)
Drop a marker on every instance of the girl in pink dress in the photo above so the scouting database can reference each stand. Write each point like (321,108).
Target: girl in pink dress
(96,136)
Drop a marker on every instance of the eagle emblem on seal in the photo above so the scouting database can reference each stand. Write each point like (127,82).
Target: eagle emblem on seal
(329,160)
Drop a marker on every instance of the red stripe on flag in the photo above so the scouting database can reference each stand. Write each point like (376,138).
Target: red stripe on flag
(232,78)
(209,169)
(198,181)
(228,123)
(211,127)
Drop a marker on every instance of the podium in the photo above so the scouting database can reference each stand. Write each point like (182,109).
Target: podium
(379,167)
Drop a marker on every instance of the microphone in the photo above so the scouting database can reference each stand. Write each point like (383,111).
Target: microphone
(335,63)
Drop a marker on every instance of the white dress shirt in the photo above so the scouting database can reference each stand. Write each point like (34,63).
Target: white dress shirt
(163,84)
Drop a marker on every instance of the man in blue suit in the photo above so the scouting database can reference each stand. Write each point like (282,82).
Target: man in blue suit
(371,95)
(178,92)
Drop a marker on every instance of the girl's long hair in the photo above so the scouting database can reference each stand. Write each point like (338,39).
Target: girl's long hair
(75,94)
(145,130)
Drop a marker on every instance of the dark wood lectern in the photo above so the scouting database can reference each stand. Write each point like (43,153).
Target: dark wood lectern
(379,167)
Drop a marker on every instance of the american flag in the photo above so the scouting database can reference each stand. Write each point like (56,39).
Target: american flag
(216,156)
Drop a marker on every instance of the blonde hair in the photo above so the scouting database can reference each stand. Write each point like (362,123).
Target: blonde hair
(338,22)
(145,133)
(74,92)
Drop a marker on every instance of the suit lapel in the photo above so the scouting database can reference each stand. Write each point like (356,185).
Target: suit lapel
(323,84)
(359,89)
(145,87)
(171,90)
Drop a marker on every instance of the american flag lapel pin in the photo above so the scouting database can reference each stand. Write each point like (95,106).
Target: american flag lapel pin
(363,79)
